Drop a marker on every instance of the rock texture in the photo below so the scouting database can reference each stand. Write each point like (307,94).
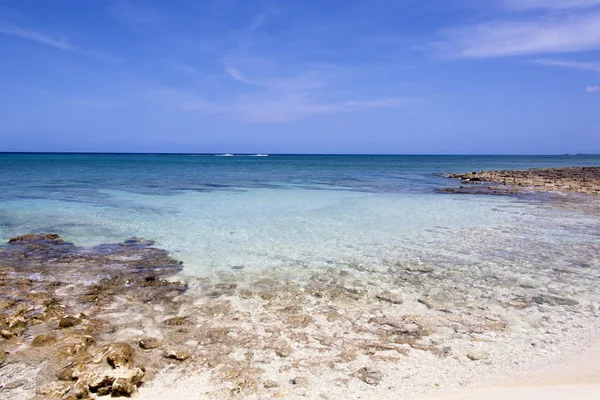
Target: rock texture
(55,298)
(80,323)
(568,179)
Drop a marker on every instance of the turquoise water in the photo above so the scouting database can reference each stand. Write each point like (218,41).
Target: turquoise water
(289,211)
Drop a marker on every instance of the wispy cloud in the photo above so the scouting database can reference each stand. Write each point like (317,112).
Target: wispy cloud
(273,98)
(521,5)
(57,42)
(262,18)
(580,65)
(53,41)
(259,76)
(592,89)
(523,37)
(285,107)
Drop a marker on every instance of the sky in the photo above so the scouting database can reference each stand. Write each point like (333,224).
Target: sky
(312,76)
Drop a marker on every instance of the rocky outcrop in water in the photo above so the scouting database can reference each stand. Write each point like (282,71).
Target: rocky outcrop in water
(568,179)
(54,299)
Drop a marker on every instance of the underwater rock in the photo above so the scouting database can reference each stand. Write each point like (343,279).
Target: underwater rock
(283,350)
(390,297)
(32,237)
(176,321)
(134,241)
(43,340)
(554,300)
(477,355)
(68,322)
(177,354)
(149,343)
(368,376)
(270,384)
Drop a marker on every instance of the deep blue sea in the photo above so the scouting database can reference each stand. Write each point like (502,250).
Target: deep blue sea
(283,211)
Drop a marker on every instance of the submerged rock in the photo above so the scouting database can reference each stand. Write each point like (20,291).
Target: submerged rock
(176,321)
(477,355)
(149,343)
(43,340)
(554,300)
(32,237)
(270,384)
(177,354)
(68,322)
(368,376)
(283,350)
(390,297)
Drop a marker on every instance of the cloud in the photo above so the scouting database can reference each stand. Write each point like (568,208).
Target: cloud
(273,98)
(592,89)
(261,19)
(237,75)
(56,42)
(522,5)
(513,38)
(580,65)
(284,107)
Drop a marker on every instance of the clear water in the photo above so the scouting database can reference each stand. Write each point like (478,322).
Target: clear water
(289,211)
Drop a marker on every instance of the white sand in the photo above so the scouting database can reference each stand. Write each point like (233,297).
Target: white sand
(574,378)
(579,392)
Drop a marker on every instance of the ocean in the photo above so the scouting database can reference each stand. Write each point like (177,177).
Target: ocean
(215,212)
(318,276)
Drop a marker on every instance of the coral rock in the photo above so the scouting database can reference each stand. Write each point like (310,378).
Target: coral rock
(179,355)
(43,340)
(368,376)
(390,297)
(120,355)
(149,343)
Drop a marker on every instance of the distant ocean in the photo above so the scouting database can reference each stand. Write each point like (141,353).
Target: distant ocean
(286,211)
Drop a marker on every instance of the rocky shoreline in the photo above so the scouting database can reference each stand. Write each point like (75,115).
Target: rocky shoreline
(82,323)
(584,180)
(56,341)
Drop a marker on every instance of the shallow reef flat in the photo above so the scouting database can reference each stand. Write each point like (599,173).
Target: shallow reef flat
(567,179)
(123,320)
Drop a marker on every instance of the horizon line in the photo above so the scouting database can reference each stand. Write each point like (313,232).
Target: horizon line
(299,154)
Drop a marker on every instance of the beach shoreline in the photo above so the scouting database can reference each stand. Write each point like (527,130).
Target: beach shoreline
(585,180)
(124,319)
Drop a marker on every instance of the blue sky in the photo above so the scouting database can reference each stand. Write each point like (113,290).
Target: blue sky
(313,76)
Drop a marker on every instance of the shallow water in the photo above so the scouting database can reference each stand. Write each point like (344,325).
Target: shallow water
(278,211)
